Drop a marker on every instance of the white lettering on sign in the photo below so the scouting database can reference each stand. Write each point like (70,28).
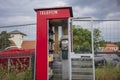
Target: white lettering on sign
(49,12)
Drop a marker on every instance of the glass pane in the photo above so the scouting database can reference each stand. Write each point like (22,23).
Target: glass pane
(81,36)
(58,49)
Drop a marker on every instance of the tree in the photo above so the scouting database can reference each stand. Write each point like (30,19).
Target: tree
(4,40)
(82,40)
(118,44)
(98,41)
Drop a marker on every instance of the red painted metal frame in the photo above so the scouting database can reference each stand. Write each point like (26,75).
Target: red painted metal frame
(42,37)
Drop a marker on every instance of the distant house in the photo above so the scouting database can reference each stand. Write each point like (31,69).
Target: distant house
(109,48)
(19,54)
(18,40)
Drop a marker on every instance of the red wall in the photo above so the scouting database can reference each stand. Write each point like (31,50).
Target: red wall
(42,37)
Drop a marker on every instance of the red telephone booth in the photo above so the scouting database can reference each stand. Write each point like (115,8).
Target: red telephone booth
(45,17)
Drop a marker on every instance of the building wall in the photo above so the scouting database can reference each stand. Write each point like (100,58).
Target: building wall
(108,48)
(18,39)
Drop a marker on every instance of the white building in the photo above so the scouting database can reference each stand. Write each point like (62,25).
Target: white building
(109,48)
(17,37)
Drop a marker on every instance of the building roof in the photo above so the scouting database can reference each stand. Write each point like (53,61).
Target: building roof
(16,53)
(53,8)
(28,44)
(17,32)
(111,45)
(108,50)
(118,50)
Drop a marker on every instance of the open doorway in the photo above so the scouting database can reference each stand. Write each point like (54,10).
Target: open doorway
(58,35)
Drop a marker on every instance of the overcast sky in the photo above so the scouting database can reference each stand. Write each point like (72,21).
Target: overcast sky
(14,12)
(22,11)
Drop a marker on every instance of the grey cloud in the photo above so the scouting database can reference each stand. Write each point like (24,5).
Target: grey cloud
(25,7)
(16,8)
(118,2)
(103,7)
(14,12)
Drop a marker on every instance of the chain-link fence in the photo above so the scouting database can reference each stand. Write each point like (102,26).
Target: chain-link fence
(107,49)
(17,52)
(17,48)
(104,32)
(108,33)
(106,44)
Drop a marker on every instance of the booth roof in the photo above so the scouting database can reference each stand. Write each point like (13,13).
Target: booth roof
(53,8)
(17,53)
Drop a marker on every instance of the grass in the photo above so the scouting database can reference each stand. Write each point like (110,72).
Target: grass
(102,73)
(15,74)
(108,73)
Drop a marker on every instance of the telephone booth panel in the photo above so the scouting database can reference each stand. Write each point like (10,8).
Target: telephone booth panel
(52,27)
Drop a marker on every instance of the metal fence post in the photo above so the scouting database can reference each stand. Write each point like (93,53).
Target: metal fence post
(69,47)
(92,39)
